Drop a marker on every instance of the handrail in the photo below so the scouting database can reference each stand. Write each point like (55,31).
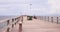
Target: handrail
(9,24)
(53,19)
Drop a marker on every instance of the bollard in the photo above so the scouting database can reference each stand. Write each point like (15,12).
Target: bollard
(20,27)
(57,20)
(8,29)
(52,19)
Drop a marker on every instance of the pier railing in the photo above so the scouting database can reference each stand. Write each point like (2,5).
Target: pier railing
(53,19)
(8,24)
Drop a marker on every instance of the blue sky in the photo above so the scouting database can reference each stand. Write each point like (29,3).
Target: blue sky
(22,7)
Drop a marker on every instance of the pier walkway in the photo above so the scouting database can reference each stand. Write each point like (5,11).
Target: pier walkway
(36,25)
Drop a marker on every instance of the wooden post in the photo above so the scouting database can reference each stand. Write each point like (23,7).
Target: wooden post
(12,25)
(15,19)
(20,27)
(57,20)
(22,19)
(42,17)
(52,19)
(48,18)
(12,20)
(15,23)
(7,22)
(45,18)
(8,29)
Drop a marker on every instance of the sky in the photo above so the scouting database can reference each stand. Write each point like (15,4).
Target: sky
(23,7)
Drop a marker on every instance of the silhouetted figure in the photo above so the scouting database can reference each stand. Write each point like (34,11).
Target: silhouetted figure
(35,17)
(29,17)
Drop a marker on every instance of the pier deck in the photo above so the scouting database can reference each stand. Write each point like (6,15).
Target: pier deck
(36,25)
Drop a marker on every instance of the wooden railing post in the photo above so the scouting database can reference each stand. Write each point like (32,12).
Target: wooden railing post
(12,20)
(12,25)
(7,22)
(8,29)
(40,17)
(45,18)
(15,23)
(57,19)
(52,19)
(22,19)
(48,18)
(20,27)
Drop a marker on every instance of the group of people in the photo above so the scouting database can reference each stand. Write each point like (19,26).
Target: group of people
(30,17)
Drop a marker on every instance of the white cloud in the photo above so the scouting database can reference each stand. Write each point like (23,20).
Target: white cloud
(54,6)
(23,6)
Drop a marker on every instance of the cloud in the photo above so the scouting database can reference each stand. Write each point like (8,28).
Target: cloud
(17,7)
(54,6)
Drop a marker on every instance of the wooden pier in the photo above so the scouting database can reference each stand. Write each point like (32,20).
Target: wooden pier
(41,24)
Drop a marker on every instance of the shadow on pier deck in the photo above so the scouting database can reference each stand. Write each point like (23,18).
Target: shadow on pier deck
(36,25)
